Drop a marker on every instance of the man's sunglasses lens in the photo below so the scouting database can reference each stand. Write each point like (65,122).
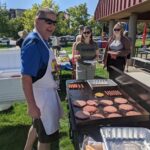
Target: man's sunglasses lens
(88,32)
(49,21)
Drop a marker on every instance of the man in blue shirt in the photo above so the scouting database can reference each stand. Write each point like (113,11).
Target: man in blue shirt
(38,84)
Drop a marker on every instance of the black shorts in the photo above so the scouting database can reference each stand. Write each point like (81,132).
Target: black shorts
(42,136)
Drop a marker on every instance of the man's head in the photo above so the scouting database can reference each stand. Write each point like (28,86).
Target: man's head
(81,28)
(45,22)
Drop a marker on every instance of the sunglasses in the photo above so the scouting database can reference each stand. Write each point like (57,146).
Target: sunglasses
(117,29)
(49,21)
(88,32)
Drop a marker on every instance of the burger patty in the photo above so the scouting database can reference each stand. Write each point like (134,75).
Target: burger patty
(120,100)
(114,115)
(110,109)
(99,94)
(90,109)
(97,116)
(133,113)
(106,102)
(92,102)
(82,114)
(126,107)
(79,103)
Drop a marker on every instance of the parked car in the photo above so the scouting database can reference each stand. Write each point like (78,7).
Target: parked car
(63,41)
(97,38)
(72,38)
(5,41)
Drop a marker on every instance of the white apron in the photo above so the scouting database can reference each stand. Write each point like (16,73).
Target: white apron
(47,99)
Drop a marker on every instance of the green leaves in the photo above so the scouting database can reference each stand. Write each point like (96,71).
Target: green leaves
(4,18)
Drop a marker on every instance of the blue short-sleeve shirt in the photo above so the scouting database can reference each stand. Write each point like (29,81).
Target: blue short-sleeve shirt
(34,55)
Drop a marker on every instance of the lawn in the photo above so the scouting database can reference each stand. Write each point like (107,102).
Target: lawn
(14,124)
(139,42)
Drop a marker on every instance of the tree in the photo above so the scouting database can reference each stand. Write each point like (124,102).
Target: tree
(96,26)
(62,27)
(78,16)
(4,18)
(29,15)
(15,25)
(49,4)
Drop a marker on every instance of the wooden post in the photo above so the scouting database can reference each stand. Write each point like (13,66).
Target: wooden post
(132,31)
(111,26)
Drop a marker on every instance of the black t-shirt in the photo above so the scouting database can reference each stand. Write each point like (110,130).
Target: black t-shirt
(19,42)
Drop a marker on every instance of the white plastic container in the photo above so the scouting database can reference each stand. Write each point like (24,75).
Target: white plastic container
(125,138)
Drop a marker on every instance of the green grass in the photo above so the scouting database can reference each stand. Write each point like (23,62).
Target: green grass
(15,123)
(139,42)
(68,48)
(3,46)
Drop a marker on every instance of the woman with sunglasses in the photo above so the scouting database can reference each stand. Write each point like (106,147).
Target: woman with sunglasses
(116,51)
(87,51)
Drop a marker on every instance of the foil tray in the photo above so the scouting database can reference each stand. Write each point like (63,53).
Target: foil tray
(101,83)
(126,138)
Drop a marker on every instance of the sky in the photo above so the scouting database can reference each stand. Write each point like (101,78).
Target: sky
(63,4)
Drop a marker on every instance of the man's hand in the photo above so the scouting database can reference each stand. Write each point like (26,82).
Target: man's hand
(34,111)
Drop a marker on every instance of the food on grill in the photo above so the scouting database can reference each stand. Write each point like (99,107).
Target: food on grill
(99,94)
(144,96)
(148,102)
(94,146)
(79,103)
(113,93)
(133,113)
(90,109)
(88,147)
(120,100)
(82,114)
(110,109)
(126,107)
(76,86)
(113,115)
(82,86)
(106,102)
(92,102)
(97,116)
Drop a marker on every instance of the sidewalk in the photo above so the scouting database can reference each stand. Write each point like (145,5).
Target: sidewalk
(140,75)
(9,49)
